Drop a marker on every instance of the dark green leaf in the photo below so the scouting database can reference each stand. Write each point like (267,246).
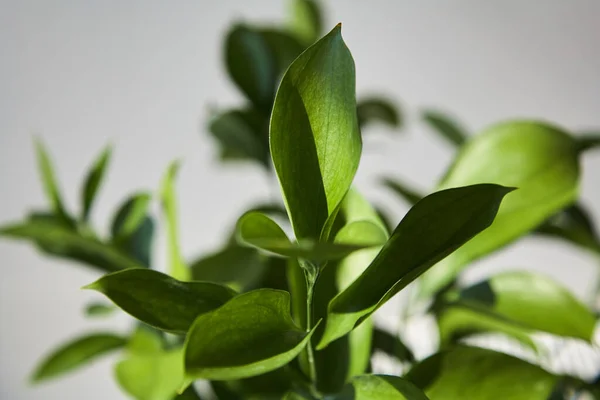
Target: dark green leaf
(93,181)
(99,309)
(130,216)
(588,141)
(284,47)
(435,227)
(139,244)
(189,394)
(445,126)
(50,184)
(306,20)
(539,159)
(380,387)
(378,110)
(479,374)
(573,224)
(314,136)
(251,334)
(77,353)
(406,192)
(392,345)
(159,300)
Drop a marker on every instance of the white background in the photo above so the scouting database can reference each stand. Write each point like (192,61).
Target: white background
(142,74)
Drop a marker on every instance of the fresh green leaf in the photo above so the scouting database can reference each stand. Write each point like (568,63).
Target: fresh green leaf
(58,240)
(392,346)
(435,227)
(306,20)
(479,374)
(588,141)
(539,159)
(99,309)
(376,109)
(159,300)
(445,126)
(404,191)
(93,181)
(251,334)
(130,216)
(251,65)
(77,353)
(314,136)
(573,224)
(177,267)
(380,387)
(50,184)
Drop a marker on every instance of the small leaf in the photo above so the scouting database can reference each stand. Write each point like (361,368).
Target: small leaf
(177,267)
(99,310)
(376,109)
(392,346)
(479,374)
(406,192)
(77,353)
(588,141)
(314,135)
(435,227)
(130,216)
(250,335)
(380,387)
(445,126)
(50,184)
(93,181)
(573,224)
(306,20)
(251,65)
(539,159)
(159,300)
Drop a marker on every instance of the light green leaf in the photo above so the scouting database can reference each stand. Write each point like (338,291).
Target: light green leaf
(250,335)
(479,374)
(77,353)
(93,181)
(539,159)
(404,191)
(435,227)
(314,136)
(573,224)
(58,240)
(588,141)
(251,65)
(380,387)
(392,346)
(446,127)
(177,267)
(306,20)
(258,230)
(159,300)
(99,310)
(375,109)
(130,216)
(50,184)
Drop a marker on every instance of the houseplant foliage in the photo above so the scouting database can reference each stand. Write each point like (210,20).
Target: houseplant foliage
(274,315)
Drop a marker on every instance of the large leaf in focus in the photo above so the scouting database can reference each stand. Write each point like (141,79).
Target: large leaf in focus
(251,65)
(573,224)
(432,229)
(374,109)
(50,184)
(93,181)
(445,126)
(251,334)
(258,230)
(479,374)
(177,267)
(77,353)
(159,300)
(314,136)
(539,159)
(306,20)
(57,239)
(404,191)
(380,387)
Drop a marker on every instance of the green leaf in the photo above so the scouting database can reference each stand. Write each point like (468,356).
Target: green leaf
(177,267)
(77,353)
(588,141)
(479,374)
(50,184)
(189,394)
(93,181)
(139,244)
(251,65)
(392,346)
(284,47)
(297,396)
(251,334)
(539,159)
(380,387)
(404,191)
(159,300)
(376,109)
(314,135)
(533,301)
(58,240)
(130,216)
(258,230)
(573,224)
(306,20)
(99,310)
(446,127)
(435,227)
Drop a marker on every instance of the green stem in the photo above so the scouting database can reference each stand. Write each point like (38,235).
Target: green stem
(311,279)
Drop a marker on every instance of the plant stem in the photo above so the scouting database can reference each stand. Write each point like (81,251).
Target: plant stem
(311,278)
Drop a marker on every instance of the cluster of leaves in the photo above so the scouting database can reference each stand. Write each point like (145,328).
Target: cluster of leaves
(274,317)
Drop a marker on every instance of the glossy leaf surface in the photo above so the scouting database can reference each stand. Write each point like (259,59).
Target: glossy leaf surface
(159,300)
(380,387)
(378,110)
(445,126)
(93,181)
(314,136)
(250,335)
(432,229)
(539,159)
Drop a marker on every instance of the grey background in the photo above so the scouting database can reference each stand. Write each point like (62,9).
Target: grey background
(142,74)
